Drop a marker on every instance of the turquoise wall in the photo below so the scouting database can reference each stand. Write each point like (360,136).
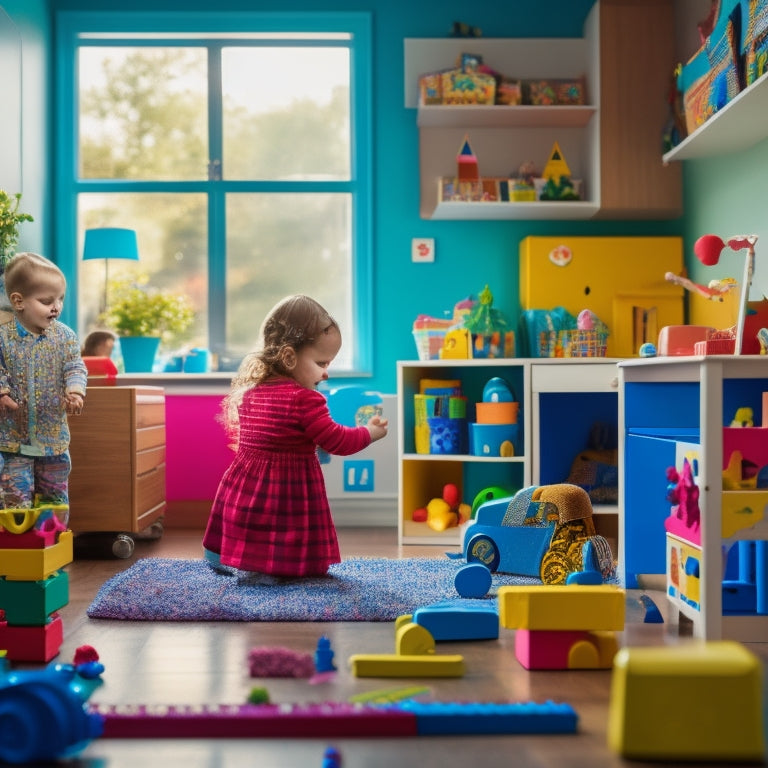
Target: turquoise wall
(726,196)
(470,254)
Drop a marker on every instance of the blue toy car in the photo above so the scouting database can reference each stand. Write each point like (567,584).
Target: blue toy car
(538,532)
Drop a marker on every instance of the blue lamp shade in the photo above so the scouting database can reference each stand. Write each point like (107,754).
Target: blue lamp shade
(110,243)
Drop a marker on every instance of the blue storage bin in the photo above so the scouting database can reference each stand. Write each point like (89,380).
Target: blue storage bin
(493,439)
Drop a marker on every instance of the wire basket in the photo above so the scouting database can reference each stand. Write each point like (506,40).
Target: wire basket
(429,342)
(572,343)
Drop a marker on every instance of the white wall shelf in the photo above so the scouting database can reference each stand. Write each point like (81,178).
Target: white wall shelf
(739,125)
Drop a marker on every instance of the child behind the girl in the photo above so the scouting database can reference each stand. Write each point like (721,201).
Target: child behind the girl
(271,512)
(42,380)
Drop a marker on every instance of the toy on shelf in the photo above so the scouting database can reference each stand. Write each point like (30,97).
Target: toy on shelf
(429,332)
(556,182)
(440,411)
(491,336)
(444,512)
(708,249)
(495,432)
(468,186)
(595,469)
(539,532)
(715,290)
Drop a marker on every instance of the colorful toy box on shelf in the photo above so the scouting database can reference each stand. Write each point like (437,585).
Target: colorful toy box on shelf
(429,332)
(35,545)
(440,411)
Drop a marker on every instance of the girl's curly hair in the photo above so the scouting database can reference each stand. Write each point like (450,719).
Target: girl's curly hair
(293,323)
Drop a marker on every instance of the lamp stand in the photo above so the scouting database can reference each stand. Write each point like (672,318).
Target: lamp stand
(746,283)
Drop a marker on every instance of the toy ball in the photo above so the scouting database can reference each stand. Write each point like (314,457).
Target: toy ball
(647,350)
(489,494)
(497,390)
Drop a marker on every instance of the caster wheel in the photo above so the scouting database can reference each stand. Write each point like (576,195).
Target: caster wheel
(122,546)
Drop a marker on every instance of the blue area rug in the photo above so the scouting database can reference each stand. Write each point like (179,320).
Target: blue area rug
(358,589)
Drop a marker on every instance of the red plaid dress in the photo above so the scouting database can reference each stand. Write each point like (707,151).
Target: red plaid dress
(271,511)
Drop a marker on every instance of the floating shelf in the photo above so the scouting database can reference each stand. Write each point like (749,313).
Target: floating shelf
(524,116)
(739,125)
(572,211)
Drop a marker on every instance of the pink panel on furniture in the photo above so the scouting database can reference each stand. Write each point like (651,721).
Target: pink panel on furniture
(196,447)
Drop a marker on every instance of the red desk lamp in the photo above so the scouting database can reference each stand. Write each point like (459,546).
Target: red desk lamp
(708,249)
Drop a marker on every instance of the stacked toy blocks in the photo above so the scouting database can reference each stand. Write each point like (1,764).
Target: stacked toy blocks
(563,627)
(34,548)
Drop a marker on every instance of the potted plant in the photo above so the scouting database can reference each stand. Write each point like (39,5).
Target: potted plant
(143,317)
(10,218)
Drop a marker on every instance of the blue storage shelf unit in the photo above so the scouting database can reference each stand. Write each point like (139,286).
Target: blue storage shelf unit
(668,406)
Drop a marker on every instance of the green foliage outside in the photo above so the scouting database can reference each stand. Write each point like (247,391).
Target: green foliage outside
(10,219)
(148,119)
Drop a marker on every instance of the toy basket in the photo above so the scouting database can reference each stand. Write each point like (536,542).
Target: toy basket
(572,343)
(429,342)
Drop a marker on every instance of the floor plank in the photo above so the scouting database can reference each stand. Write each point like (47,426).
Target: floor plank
(206,663)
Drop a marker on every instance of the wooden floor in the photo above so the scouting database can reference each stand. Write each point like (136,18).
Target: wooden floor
(203,663)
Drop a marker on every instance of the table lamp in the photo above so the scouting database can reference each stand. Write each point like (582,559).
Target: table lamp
(708,249)
(110,243)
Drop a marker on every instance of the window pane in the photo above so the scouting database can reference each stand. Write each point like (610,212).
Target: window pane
(172,235)
(286,113)
(281,244)
(143,113)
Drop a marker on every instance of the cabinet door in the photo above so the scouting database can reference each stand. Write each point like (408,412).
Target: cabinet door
(637,58)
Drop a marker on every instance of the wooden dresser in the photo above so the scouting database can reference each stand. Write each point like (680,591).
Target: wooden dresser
(117,482)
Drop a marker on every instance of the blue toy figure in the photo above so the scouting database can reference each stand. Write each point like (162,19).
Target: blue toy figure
(324,656)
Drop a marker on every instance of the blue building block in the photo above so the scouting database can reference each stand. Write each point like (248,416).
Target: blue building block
(472,580)
(460,620)
(652,613)
(437,717)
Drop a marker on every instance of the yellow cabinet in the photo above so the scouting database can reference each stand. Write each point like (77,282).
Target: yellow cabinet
(620,279)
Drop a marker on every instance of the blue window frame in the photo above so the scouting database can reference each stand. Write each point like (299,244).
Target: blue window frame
(241,226)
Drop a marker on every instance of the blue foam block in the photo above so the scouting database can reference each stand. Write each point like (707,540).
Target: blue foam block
(460,620)
(435,717)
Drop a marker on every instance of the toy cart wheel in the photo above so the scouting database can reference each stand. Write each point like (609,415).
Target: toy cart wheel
(122,546)
(483,549)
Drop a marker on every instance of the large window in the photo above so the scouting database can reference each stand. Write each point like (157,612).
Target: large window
(238,148)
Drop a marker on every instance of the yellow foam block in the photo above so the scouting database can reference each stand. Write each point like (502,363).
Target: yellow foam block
(698,701)
(562,607)
(395,665)
(36,564)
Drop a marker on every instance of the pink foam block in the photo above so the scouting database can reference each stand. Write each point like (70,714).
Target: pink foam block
(552,649)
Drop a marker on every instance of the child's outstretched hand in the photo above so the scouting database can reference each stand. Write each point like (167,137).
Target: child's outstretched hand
(7,404)
(377,426)
(74,403)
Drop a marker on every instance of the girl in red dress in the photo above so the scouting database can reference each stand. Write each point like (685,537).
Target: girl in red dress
(271,512)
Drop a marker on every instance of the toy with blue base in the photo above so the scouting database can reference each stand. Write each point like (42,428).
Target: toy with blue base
(538,532)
